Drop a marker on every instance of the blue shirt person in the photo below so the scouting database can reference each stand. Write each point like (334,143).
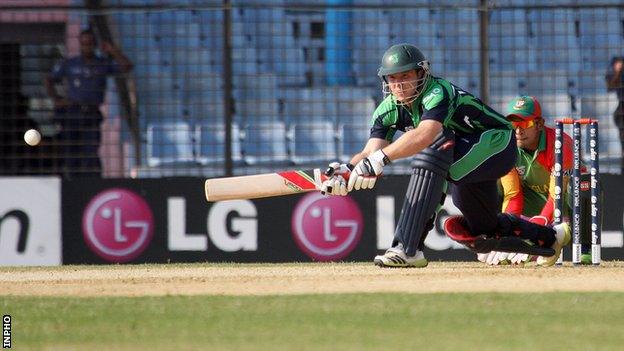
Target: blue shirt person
(78,109)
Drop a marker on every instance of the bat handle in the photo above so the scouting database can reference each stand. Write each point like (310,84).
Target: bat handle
(329,172)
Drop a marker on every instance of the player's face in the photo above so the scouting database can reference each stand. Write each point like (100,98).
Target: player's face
(87,45)
(527,133)
(403,85)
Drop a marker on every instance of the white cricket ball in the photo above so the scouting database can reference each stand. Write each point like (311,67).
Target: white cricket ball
(32,137)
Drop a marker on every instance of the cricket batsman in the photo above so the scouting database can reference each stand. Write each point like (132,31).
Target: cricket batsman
(454,139)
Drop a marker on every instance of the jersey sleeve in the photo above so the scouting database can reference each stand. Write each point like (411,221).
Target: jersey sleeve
(513,199)
(436,104)
(383,120)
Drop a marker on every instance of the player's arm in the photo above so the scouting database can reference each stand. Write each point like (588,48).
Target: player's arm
(371,146)
(337,183)
(549,207)
(413,141)
(125,65)
(568,162)
(513,199)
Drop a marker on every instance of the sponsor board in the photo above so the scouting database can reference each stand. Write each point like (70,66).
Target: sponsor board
(30,221)
(296,228)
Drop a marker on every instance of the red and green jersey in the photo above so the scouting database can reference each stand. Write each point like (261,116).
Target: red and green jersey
(528,188)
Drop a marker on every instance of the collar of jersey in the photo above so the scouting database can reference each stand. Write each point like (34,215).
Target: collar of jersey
(541,146)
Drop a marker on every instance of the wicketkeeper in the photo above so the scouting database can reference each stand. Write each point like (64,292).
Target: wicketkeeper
(529,188)
(453,138)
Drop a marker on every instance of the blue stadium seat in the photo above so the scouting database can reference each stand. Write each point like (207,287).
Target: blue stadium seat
(556,106)
(169,142)
(504,83)
(352,139)
(265,143)
(211,148)
(313,142)
(548,82)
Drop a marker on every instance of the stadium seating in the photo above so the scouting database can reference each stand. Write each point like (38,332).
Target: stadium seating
(313,142)
(169,142)
(265,143)
(352,139)
(211,143)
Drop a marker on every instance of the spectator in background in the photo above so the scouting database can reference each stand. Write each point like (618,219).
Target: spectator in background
(78,112)
(615,82)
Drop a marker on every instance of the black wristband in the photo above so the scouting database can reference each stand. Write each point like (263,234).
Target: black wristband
(386,159)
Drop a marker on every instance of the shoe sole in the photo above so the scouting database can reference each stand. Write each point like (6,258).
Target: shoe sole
(418,264)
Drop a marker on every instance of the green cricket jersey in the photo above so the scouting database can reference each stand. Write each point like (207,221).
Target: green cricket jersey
(485,131)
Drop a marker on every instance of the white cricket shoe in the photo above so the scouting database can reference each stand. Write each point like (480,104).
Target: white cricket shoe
(396,257)
(562,238)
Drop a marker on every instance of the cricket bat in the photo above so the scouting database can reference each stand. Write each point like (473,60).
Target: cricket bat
(265,185)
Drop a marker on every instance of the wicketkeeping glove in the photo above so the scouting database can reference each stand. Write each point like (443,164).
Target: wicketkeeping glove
(518,258)
(365,173)
(336,184)
(541,220)
(495,258)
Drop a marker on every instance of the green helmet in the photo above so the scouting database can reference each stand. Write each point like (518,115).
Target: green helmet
(401,58)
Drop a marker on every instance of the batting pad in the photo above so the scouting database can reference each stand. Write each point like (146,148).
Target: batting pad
(425,193)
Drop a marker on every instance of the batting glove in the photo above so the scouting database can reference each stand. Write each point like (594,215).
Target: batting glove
(365,173)
(336,184)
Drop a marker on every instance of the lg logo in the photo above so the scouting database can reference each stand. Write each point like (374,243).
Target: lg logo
(117,225)
(327,228)
(231,226)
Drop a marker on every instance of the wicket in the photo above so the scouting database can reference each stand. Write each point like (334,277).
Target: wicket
(576,180)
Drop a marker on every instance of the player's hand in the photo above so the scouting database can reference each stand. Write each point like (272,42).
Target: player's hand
(365,173)
(335,185)
(541,220)
(338,174)
(340,168)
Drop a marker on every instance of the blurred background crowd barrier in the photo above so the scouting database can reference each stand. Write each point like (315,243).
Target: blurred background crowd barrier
(240,87)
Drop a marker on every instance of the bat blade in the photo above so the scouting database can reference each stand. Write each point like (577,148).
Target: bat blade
(263,185)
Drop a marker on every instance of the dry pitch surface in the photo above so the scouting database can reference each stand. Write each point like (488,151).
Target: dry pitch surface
(304,278)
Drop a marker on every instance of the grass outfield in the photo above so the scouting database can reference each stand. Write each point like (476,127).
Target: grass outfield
(449,321)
